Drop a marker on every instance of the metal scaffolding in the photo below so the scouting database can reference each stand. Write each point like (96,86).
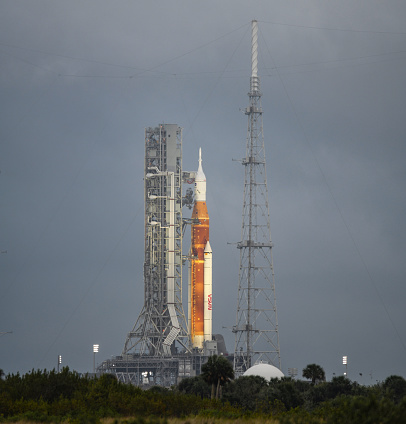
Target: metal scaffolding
(256,329)
(158,350)
(161,328)
(149,371)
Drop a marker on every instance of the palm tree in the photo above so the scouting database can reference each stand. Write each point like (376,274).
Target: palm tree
(217,371)
(315,373)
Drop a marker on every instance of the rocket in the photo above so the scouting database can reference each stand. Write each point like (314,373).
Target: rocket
(200,277)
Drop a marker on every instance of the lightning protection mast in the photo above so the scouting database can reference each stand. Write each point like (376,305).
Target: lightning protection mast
(256,329)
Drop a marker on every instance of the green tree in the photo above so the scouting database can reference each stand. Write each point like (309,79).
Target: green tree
(395,388)
(286,391)
(195,386)
(315,373)
(246,391)
(217,371)
(360,409)
(339,385)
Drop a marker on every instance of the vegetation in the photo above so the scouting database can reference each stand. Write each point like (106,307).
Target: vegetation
(217,371)
(48,396)
(315,373)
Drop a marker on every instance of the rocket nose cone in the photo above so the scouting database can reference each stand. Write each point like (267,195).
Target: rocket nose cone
(207,248)
(200,174)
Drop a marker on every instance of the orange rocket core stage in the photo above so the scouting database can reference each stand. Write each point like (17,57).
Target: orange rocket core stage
(200,236)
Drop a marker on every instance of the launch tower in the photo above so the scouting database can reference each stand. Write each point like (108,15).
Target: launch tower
(156,350)
(256,329)
(161,323)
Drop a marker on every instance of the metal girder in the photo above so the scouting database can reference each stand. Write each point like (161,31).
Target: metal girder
(256,329)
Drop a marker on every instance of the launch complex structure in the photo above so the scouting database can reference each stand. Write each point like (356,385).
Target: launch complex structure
(164,346)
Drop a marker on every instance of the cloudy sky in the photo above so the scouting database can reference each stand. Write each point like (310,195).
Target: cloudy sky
(80,80)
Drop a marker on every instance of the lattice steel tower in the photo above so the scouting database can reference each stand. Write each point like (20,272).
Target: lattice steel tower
(161,328)
(256,329)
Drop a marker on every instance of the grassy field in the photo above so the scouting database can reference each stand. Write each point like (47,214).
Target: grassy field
(191,420)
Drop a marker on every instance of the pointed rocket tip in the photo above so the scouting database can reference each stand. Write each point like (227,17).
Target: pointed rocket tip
(207,248)
(200,174)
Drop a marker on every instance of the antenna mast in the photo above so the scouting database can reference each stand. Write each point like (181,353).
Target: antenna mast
(256,329)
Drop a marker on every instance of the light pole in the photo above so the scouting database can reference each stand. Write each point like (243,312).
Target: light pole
(345,362)
(59,361)
(95,350)
(292,372)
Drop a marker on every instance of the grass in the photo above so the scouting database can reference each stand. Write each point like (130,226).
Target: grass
(187,420)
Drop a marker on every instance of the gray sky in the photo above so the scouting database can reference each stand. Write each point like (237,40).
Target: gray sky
(80,80)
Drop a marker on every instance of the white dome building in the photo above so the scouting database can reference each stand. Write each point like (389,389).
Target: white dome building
(265,370)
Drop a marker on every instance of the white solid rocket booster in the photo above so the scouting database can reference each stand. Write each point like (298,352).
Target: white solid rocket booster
(208,299)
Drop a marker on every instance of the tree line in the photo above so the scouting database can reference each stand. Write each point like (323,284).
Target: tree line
(49,396)
(292,399)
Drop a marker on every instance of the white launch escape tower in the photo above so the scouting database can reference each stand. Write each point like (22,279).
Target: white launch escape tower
(256,329)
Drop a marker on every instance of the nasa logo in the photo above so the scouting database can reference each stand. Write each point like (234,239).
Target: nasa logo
(209,303)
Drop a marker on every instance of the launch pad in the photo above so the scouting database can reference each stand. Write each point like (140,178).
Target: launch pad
(163,346)
(145,371)
(153,370)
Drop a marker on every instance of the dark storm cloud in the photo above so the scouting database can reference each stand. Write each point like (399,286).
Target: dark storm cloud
(81,80)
